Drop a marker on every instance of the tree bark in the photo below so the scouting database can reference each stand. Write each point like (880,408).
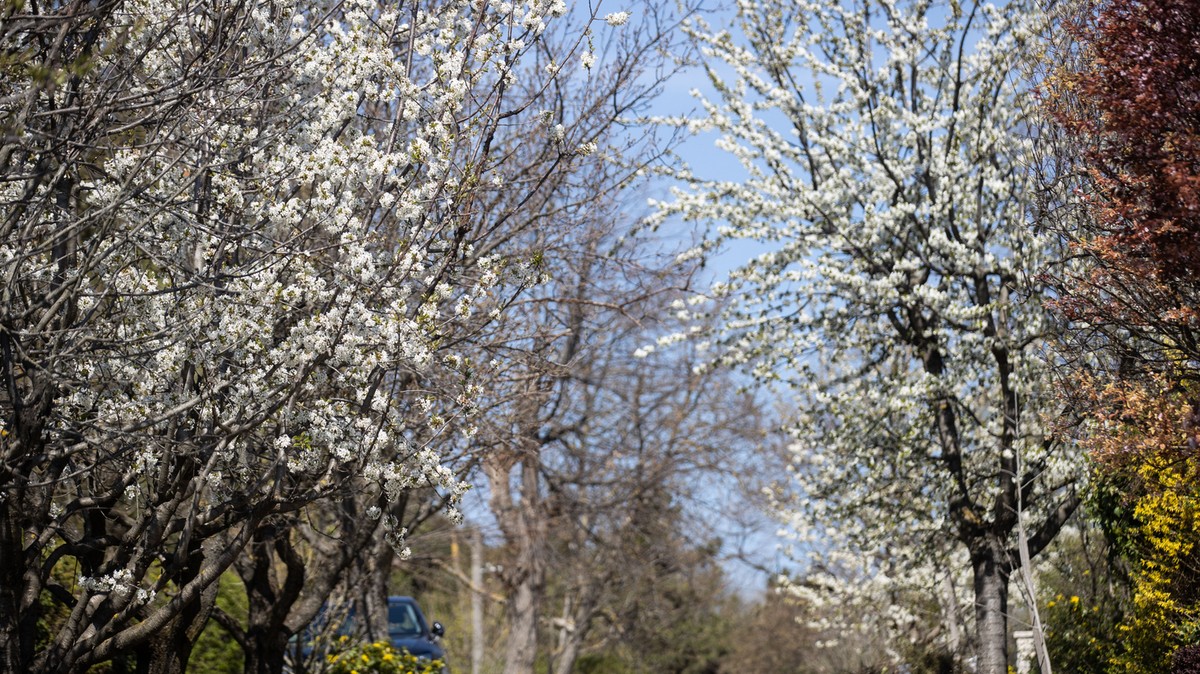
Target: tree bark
(574,634)
(168,651)
(287,583)
(476,601)
(269,602)
(371,591)
(524,527)
(521,651)
(991,573)
(14,643)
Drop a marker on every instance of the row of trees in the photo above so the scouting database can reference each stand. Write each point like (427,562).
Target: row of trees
(279,278)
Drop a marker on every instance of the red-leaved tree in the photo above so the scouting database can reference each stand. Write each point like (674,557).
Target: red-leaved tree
(1126,95)
(1129,101)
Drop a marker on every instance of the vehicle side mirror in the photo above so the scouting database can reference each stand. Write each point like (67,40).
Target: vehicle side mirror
(437,629)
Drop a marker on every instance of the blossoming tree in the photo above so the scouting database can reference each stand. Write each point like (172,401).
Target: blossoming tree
(232,243)
(881,145)
(556,155)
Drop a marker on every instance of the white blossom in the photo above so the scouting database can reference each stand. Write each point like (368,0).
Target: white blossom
(616,18)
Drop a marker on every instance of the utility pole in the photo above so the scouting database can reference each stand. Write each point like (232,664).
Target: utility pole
(476,601)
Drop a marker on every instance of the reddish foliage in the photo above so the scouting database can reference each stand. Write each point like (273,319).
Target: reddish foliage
(1139,116)
(1129,101)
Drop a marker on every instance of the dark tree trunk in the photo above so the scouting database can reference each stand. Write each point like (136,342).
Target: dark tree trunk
(15,644)
(286,591)
(266,651)
(991,571)
(269,602)
(168,651)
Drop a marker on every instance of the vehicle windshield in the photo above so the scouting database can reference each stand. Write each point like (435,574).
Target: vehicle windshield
(402,621)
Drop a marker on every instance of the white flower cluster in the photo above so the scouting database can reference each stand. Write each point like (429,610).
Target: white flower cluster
(616,18)
(120,582)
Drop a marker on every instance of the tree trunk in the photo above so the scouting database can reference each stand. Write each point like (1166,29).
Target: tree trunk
(289,580)
(525,606)
(991,610)
(13,643)
(574,634)
(521,651)
(524,527)
(570,653)
(168,651)
(266,651)
(476,601)
(270,557)
(371,591)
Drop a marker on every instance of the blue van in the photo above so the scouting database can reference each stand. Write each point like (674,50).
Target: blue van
(408,629)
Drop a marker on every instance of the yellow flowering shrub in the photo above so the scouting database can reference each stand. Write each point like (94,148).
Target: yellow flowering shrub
(1144,440)
(380,657)
(1165,612)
